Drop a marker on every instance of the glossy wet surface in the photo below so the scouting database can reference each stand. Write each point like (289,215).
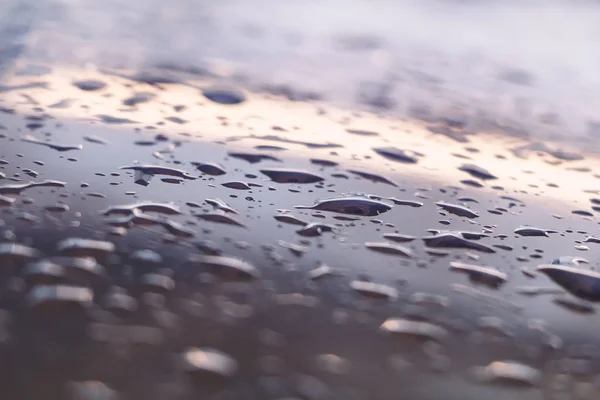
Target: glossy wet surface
(204,243)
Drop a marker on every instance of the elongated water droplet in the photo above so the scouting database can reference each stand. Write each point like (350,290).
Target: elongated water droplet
(350,205)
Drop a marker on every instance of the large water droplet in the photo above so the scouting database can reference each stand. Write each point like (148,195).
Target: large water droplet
(583,284)
(399,155)
(354,205)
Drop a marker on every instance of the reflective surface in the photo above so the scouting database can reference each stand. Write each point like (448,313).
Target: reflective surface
(175,235)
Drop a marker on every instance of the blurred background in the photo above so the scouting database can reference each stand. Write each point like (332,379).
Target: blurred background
(528,67)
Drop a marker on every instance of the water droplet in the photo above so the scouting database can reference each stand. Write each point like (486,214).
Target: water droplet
(477,172)
(175,181)
(89,85)
(224,95)
(59,297)
(120,303)
(143,173)
(311,388)
(220,205)
(6,201)
(531,231)
(57,147)
(282,175)
(581,283)
(354,205)
(322,271)
(290,219)
(108,119)
(43,272)
(536,290)
(314,229)
(429,300)
(484,275)
(18,188)
(454,240)
(220,218)
(146,256)
(64,103)
(509,373)
(361,132)
(400,202)
(213,169)
(374,290)
(238,185)
(208,247)
(91,390)
(574,305)
(11,252)
(399,237)
(127,209)
(227,267)
(419,329)
(333,364)
(254,158)
(457,210)
(323,163)
(157,283)
(295,249)
(56,208)
(95,139)
(372,177)
(389,248)
(84,247)
(176,120)
(587,240)
(399,155)
(82,270)
(139,218)
(472,183)
(138,98)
